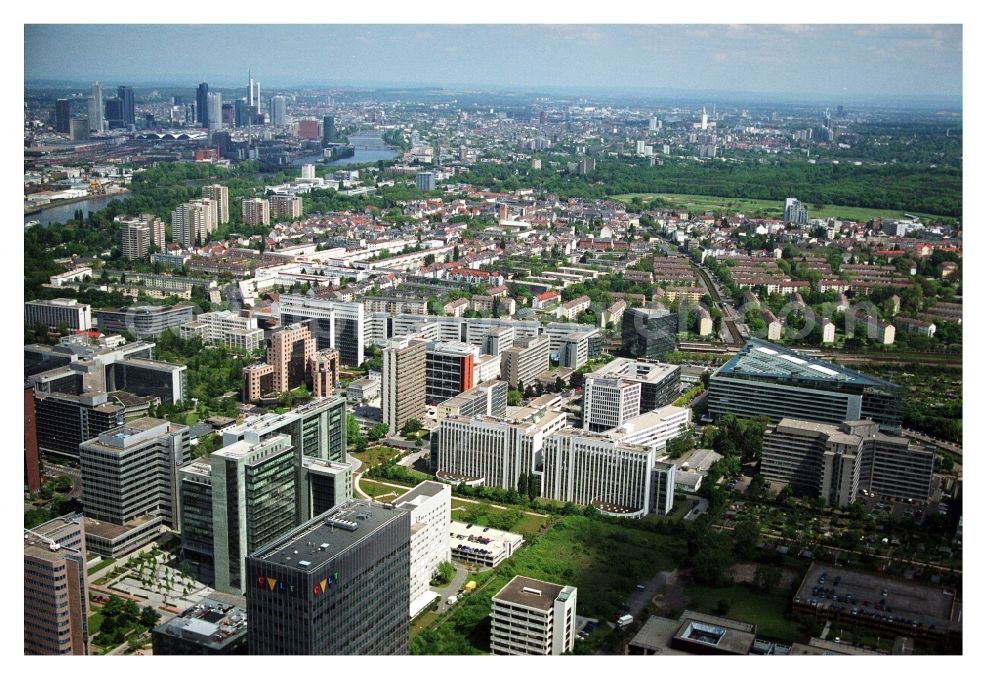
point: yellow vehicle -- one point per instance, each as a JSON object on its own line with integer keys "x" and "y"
{"x": 470, "y": 586}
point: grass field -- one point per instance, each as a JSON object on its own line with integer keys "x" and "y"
{"x": 511, "y": 518}
{"x": 380, "y": 491}
{"x": 604, "y": 561}
{"x": 376, "y": 455}
{"x": 760, "y": 208}
{"x": 767, "y": 611}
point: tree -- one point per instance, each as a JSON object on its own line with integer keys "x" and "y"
{"x": 514, "y": 398}
{"x": 411, "y": 426}
{"x": 745, "y": 536}
{"x": 378, "y": 431}
{"x": 149, "y": 618}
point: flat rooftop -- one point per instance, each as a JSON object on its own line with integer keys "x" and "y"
{"x": 655, "y": 635}
{"x": 325, "y": 537}
{"x": 423, "y": 490}
{"x": 721, "y": 633}
{"x": 210, "y": 623}
{"x": 106, "y": 530}
{"x": 492, "y": 540}
{"x": 634, "y": 369}
{"x": 906, "y": 603}
{"x": 527, "y": 591}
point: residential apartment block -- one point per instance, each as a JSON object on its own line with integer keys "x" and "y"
{"x": 532, "y": 617}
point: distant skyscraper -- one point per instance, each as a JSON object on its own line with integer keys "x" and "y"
{"x": 279, "y": 105}
{"x": 127, "y": 96}
{"x": 328, "y": 130}
{"x": 79, "y": 128}
{"x": 114, "y": 113}
{"x": 96, "y": 107}
{"x": 250, "y": 89}
{"x": 214, "y": 116}
{"x": 704, "y": 119}
{"x": 425, "y": 181}
{"x": 62, "y": 116}
{"x": 201, "y": 102}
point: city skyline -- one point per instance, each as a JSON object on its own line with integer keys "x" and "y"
{"x": 851, "y": 62}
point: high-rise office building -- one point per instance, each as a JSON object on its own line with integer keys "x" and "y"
{"x": 835, "y": 462}
{"x": 795, "y": 211}
{"x": 96, "y": 107}
{"x": 601, "y": 470}
{"x": 279, "y": 108}
{"x": 256, "y": 211}
{"x": 201, "y": 101}
{"x": 114, "y": 113}
{"x": 290, "y": 357}
{"x": 194, "y": 494}
{"x": 404, "y": 381}
{"x": 55, "y": 588}
{"x": 493, "y": 452}
{"x": 127, "y": 97}
{"x": 329, "y": 130}
{"x": 660, "y": 383}
{"x": 339, "y": 324}
{"x": 323, "y": 369}
{"x": 220, "y": 195}
{"x": 144, "y": 321}
{"x": 63, "y": 420}
{"x": 32, "y": 465}
{"x": 609, "y": 402}
{"x": 214, "y": 111}
{"x": 336, "y": 585}
{"x": 62, "y": 116}
{"x": 253, "y": 502}
{"x": 532, "y": 617}
{"x": 648, "y": 332}
{"x": 79, "y": 128}
{"x": 129, "y": 477}
{"x": 58, "y": 312}
{"x": 449, "y": 369}
{"x": 525, "y": 360}
{"x": 429, "y": 505}
{"x": 771, "y": 380}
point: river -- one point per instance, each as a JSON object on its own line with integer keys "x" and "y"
{"x": 366, "y": 149}
{"x": 64, "y": 212}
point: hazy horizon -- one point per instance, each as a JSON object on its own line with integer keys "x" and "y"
{"x": 846, "y": 62}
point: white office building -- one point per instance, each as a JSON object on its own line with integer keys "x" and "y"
{"x": 429, "y": 504}
{"x": 340, "y": 325}
{"x": 609, "y": 402}
{"x": 532, "y": 617}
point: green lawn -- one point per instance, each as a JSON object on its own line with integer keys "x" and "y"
{"x": 94, "y": 623}
{"x": 512, "y": 518}
{"x": 603, "y": 560}
{"x": 767, "y": 611}
{"x": 376, "y": 455}
{"x": 760, "y": 208}
{"x": 377, "y": 490}
{"x": 100, "y": 566}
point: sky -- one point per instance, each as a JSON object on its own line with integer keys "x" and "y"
{"x": 848, "y": 61}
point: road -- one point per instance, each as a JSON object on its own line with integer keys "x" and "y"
{"x": 640, "y": 598}
{"x": 940, "y": 443}
{"x": 65, "y": 470}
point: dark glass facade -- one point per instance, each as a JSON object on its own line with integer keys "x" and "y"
{"x": 350, "y": 597}
{"x": 648, "y": 333}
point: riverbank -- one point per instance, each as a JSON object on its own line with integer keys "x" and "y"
{"x": 73, "y": 200}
